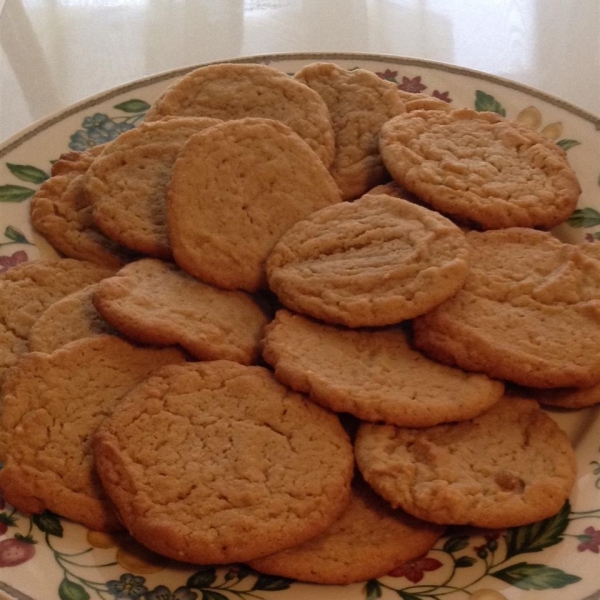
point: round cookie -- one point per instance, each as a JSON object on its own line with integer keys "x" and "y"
{"x": 373, "y": 374}
{"x": 61, "y": 212}
{"x": 367, "y": 541}
{"x": 568, "y": 398}
{"x": 216, "y": 462}
{"x": 127, "y": 184}
{"x": 28, "y": 289}
{"x": 495, "y": 471}
{"x": 237, "y": 91}
{"x": 155, "y": 302}
{"x": 529, "y": 312}
{"x": 480, "y": 167}
{"x": 376, "y": 261}
{"x": 235, "y": 189}
{"x": 51, "y": 406}
{"x": 68, "y": 319}
{"x": 359, "y": 103}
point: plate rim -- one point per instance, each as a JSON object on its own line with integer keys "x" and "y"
{"x": 19, "y": 138}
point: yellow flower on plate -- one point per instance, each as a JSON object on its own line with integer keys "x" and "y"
{"x": 532, "y": 117}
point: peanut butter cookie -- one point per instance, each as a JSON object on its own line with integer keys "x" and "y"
{"x": 216, "y": 462}
{"x": 367, "y": 541}
{"x": 237, "y": 91}
{"x": 155, "y": 302}
{"x": 529, "y": 312}
{"x": 373, "y": 374}
{"x": 51, "y": 406}
{"x": 28, "y": 289}
{"x": 376, "y": 261}
{"x": 496, "y": 471}
{"x": 235, "y": 189}
{"x": 480, "y": 167}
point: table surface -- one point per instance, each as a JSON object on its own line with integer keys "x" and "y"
{"x": 56, "y": 52}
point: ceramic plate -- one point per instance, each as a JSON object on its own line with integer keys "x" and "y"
{"x": 47, "y": 558}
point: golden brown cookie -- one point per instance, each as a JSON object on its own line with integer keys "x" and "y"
{"x": 367, "y": 541}
{"x": 568, "y": 398}
{"x": 495, "y": 471}
{"x": 235, "y": 189}
{"x": 155, "y": 302}
{"x": 127, "y": 184}
{"x": 28, "y": 289}
{"x": 70, "y": 318}
{"x": 373, "y": 374}
{"x": 61, "y": 212}
{"x": 359, "y": 103}
{"x": 237, "y": 91}
{"x": 480, "y": 167}
{"x": 529, "y": 312}
{"x": 51, "y": 406}
{"x": 376, "y": 261}
{"x": 216, "y": 462}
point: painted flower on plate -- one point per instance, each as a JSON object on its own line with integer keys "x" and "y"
{"x": 6, "y": 262}
{"x": 414, "y": 570}
{"x": 163, "y": 593}
{"x": 128, "y": 586}
{"x": 97, "y": 129}
{"x": 590, "y": 540}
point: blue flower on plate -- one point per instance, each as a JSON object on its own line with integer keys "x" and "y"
{"x": 129, "y": 586}
{"x": 97, "y": 129}
{"x": 163, "y": 593}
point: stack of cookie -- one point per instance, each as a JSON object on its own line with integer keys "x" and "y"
{"x": 250, "y": 220}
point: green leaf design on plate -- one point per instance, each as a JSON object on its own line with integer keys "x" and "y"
{"x": 464, "y": 562}
{"x": 535, "y": 577}
{"x": 28, "y": 173}
{"x": 486, "y": 103}
{"x": 408, "y": 596}
{"x": 212, "y": 595}
{"x": 15, "y": 193}
{"x": 372, "y": 590}
{"x": 537, "y": 536}
{"x": 202, "y": 578}
{"x": 568, "y": 144}
{"x": 456, "y": 543}
{"x": 15, "y": 235}
{"x": 133, "y": 106}
{"x": 69, "y": 590}
{"x": 270, "y": 583}
{"x": 584, "y": 217}
{"x": 48, "y": 523}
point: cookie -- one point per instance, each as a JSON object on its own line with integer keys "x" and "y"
{"x": 127, "y": 184}
{"x": 359, "y": 103}
{"x": 61, "y": 212}
{"x": 235, "y": 189}
{"x": 216, "y": 462}
{"x": 373, "y": 374}
{"x": 237, "y": 91}
{"x": 568, "y": 398}
{"x": 51, "y": 406}
{"x": 495, "y": 471}
{"x": 155, "y": 302}
{"x": 28, "y": 289}
{"x": 529, "y": 312}
{"x": 367, "y": 541}
{"x": 376, "y": 261}
{"x": 75, "y": 161}
{"x": 480, "y": 167}
{"x": 71, "y": 318}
